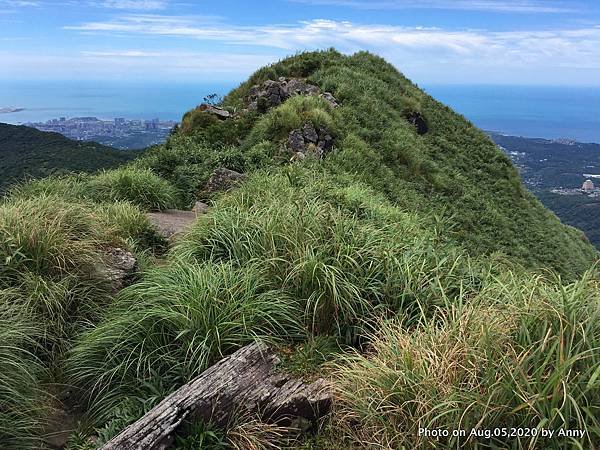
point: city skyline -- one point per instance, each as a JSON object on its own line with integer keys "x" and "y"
{"x": 551, "y": 42}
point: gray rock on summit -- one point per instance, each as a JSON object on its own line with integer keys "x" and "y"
{"x": 309, "y": 140}
{"x": 273, "y": 93}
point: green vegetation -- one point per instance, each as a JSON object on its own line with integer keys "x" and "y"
{"x": 414, "y": 271}
{"x": 530, "y": 360}
{"x": 28, "y": 153}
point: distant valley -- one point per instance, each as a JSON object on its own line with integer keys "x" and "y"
{"x": 555, "y": 170}
{"x": 121, "y": 133}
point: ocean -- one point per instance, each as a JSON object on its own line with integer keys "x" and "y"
{"x": 529, "y": 111}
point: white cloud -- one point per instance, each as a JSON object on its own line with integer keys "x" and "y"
{"x": 175, "y": 65}
{"x": 135, "y": 4}
{"x": 19, "y": 3}
{"x": 424, "y": 54}
{"x": 513, "y": 6}
{"x": 577, "y": 47}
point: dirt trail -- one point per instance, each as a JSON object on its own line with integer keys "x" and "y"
{"x": 172, "y": 222}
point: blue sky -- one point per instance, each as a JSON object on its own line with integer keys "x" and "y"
{"x": 552, "y": 42}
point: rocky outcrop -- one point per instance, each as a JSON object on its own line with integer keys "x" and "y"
{"x": 418, "y": 121}
{"x": 309, "y": 141}
{"x": 216, "y": 111}
{"x": 223, "y": 179}
{"x": 273, "y": 93}
{"x": 121, "y": 267}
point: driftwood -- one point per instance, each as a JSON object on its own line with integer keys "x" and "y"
{"x": 243, "y": 383}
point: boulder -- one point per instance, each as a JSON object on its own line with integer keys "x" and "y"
{"x": 223, "y": 179}
{"x": 296, "y": 142}
{"x": 309, "y": 133}
{"x": 328, "y": 96}
{"x": 200, "y": 208}
{"x": 121, "y": 267}
{"x": 296, "y": 86}
{"x": 216, "y": 111}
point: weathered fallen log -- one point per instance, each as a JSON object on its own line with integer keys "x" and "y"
{"x": 246, "y": 382}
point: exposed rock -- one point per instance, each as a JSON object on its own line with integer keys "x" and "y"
{"x": 220, "y": 113}
{"x": 419, "y": 122}
{"x": 309, "y": 140}
{"x": 309, "y": 133}
{"x": 172, "y": 222}
{"x": 200, "y": 208}
{"x": 121, "y": 267}
{"x": 296, "y": 86}
{"x": 330, "y": 99}
{"x": 296, "y": 142}
{"x": 273, "y": 93}
{"x": 223, "y": 180}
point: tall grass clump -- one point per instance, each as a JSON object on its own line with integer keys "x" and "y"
{"x": 21, "y": 371}
{"x": 276, "y": 124}
{"x": 48, "y": 236}
{"x": 70, "y": 187}
{"x": 135, "y": 184}
{"x": 172, "y": 325}
{"x": 128, "y": 224}
{"x": 524, "y": 354}
{"x": 344, "y": 252}
{"x": 138, "y": 186}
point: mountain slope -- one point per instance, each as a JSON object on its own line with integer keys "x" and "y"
{"x": 364, "y": 233}
{"x": 26, "y": 152}
{"x": 447, "y": 169}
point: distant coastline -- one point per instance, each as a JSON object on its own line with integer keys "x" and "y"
{"x": 10, "y": 110}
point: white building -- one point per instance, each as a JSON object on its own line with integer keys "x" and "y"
{"x": 588, "y": 186}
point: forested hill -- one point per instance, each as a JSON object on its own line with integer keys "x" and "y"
{"x": 28, "y": 153}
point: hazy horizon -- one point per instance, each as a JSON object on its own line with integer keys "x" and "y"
{"x": 159, "y": 58}
{"x": 516, "y": 42}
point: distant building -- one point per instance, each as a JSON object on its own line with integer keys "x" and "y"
{"x": 588, "y": 186}
{"x": 151, "y": 124}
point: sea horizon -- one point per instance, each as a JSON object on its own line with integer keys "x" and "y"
{"x": 547, "y": 112}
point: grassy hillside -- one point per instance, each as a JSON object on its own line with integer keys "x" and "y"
{"x": 28, "y": 153}
{"x": 408, "y": 266}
